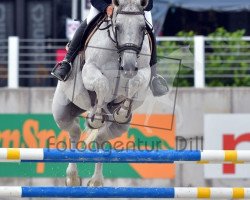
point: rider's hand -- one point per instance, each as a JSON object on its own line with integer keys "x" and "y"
{"x": 109, "y": 10}
{"x": 67, "y": 47}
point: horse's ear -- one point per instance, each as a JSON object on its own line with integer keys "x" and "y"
{"x": 144, "y": 3}
{"x": 116, "y": 2}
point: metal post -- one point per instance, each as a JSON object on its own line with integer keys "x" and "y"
{"x": 13, "y": 62}
{"x": 199, "y": 61}
{"x": 74, "y": 7}
{"x": 83, "y": 9}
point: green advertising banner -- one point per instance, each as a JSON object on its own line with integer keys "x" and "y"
{"x": 36, "y": 131}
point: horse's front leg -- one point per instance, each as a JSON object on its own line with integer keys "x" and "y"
{"x": 139, "y": 82}
{"x": 94, "y": 80}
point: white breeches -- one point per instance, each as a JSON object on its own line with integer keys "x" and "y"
{"x": 93, "y": 12}
{"x": 148, "y": 17}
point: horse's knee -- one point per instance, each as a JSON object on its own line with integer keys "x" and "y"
{"x": 62, "y": 121}
{"x": 62, "y": 115}
{"x": 64, "y": 111}
{"x": 102, "y": 85}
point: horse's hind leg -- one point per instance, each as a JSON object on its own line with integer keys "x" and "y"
{"x": 104, "y": 135}
{"x": 97, "y": 178}
{"x": 65, "y": 114}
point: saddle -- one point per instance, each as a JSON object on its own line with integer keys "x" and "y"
{"x": 92, "y": 27}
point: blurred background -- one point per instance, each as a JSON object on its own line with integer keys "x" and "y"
{"x": 212, "y": 109}
{"x": 43, "y": 28}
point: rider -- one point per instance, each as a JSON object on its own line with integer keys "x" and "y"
{"x": 62, "y": 70}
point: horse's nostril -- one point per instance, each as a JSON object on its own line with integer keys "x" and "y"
{"x": 122, "y": 68}
{"x": 136, "y": 69}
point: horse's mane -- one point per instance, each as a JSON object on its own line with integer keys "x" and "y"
{"x": 130, "y": 6}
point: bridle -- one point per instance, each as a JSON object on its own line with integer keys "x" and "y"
{"x": 126, "y": 46}
{"x": 111, "y": 27}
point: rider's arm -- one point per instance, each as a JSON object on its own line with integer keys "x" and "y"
{"x": 149, "y": 6}
{"x": 100, "y": 5}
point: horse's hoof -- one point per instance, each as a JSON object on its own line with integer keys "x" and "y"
{"x": 122, "y": 116}
{"x": 95, "y": 122}
{"x": 95, "y": 183}
{"x": 76, "y": 181}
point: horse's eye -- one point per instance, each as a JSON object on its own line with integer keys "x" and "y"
{"x": 117, "y": 27}
{"x": 143, "y": 28}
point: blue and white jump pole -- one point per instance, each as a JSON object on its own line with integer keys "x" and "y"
{"x": 116, "y": 156}
{"x": 124, "y": 192}
{"x": 125, "y": 156}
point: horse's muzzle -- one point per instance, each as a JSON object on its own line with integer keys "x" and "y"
{"x": 129, "y": 73}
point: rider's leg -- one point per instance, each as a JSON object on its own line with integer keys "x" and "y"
{"x": 92, "y": 14}
{"x": 158, "y": 84}
{"x": 62, "y": 70}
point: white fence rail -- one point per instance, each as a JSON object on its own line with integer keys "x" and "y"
{"x": 26, "y": 62}
{"x": 13, "y": 62}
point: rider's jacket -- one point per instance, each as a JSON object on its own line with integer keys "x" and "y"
{"x": 101, "y": 5}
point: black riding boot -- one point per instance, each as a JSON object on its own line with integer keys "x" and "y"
{"x": 63, "y": 69}
{"x": 158, "y": 84}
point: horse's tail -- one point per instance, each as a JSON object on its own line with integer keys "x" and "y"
{"x": 92, "y": 133}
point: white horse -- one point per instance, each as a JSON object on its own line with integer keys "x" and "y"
{"x": 116, "y": 71}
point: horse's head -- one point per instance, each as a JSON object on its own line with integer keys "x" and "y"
{"x": 129, "y": 26}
